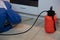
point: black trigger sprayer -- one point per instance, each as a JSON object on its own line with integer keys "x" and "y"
{"x": 50, "y": 17}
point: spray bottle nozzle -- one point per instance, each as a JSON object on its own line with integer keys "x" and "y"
{"x": 51, "y": 8}
{"x": 51, "y": 12}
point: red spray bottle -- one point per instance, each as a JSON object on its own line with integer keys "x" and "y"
{"x": 50, "y": 21}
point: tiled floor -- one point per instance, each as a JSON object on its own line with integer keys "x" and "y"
{"x": 36, "y": 33}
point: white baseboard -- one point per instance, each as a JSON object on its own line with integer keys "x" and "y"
{"x": 31, "y": 16}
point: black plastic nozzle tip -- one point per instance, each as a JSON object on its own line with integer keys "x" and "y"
{"x": 51, "y": 8}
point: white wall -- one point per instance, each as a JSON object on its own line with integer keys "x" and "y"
{"x": 6, "y": 0}
{"x": 45, "y": 4}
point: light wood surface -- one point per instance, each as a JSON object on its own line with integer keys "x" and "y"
{"x": 36, "y": 33}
